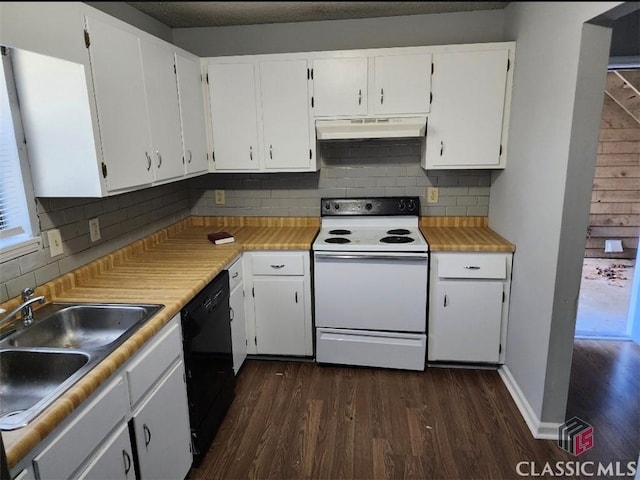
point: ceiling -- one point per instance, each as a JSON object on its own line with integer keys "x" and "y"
{"x": 216, "y": 14}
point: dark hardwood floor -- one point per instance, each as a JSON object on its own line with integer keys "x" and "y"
{"x": 295, "y": 420}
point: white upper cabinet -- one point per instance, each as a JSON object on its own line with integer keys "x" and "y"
{"x": 260, "y": 115}
{"x": 232, "y": 96}
{"x": 340, "y": 86}
{"x": 161, "y": 89}
{"x": 285, "y": 117}
{"x": 468, "y": 122}
{"x": 392, "y": 83}
{"x": 118, "y": 81}
{"x": 194, "y": 140}
{"x": 402, "y": 84}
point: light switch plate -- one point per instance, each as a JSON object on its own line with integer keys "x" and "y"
{"x": 55, "y": 242}
{"x": 432, "y": 194}
{"x": 219, "y": 197}
{"x": 94, "y": 229}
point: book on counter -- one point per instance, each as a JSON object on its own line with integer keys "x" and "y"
{"x": 219, "y": 238}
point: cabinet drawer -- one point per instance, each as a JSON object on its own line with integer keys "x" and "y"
{"x": 235, "y": 274}
{"x": 73, "y": 446}
{"x": 471, "y": 265}
{"x": 278, "y": 264}
{"x": 144, "y": 372}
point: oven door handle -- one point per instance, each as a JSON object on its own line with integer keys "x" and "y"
{"x": 417, "y": 258}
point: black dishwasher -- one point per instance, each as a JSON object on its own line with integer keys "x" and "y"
{"x": 206, "y": 331}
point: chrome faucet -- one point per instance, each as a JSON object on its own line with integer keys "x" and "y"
{"x": 25, "y": 307}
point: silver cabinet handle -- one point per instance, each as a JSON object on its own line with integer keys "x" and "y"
{"x": 359, "y": 97}
{"x": 471, "y": 267}
{"x": 296, "y": 297}
{"x": 127, "y": 461}
{"x": 278, "y": 267}
{"x": 159, "y": 158}
{"x": 250, "y": 152}
{"x": 446, "y": 301}
{"x": 235, "y": 275}
{"x": 271, "y": 152}
{"x": 147, "y": 435}
{"x": 190, "y": 156}
{"x": 381, "y": 96}
{"x": 232, "y": 313}
{"x": 148, "y": 160}
{"x": 441, "y": 147}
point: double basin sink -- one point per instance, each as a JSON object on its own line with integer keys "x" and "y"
{"x": 65, "y": 341}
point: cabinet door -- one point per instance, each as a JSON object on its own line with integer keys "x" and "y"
{"x": 192, "y": 115}
{"x": 465, "y": 127}
{"x": 238, "y": 328}
{"x": 114, "y": 459}
{"x": 232, "y": 95}
{"x": 164, "y": 113}
{"x": 402, "y": 84}
{"x": 465, "y": 318}
{"x": 285, "y": 114}
{"x": 340, "y": 86}
{"x": 118, "y": 82}
{"x": 162, "y": 433}
{"x": 279, "y": 313}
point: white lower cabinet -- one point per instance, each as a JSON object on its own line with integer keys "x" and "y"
{"x": 238, "y": 321}
{"x": 95, "y": 443}
{"x": 279, "y": 306}
{"x": 114, "y": 460}
{"x": 162, "y": 432}
{"x": 468, "y": 307}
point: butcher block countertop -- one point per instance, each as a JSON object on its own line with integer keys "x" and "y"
{"x": 168, "y": 267}
{"x": 462, "y": 234}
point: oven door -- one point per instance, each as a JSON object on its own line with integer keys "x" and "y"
{"x": 371, "y": 290}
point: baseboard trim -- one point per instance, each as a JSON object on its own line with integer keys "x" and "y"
{"x": 539, "y": 430}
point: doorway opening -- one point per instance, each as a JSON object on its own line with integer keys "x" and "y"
{"x": 606, "y": 289}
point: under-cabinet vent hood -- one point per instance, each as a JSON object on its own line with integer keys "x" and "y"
{"x": 371, "y": 128}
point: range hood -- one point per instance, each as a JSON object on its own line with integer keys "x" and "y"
{"x": 371, "y": 128}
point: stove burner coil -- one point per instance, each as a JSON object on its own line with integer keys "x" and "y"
{"x": 399, "y": 231}
{"x": 396, "y": 240}
{"x": 341, "y": 232}
{"x": 337, "y": 240}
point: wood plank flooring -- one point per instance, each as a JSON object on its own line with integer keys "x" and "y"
{"x": 295, "y": 420}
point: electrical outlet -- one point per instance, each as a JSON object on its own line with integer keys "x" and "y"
{"x": 219, "y": 197}
{"x": 94, "y": 229}
{"x": 432, "y": 194}
{"x": 55, "y": 242}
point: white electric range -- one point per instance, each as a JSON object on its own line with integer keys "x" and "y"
{"x": 370, "y": 283}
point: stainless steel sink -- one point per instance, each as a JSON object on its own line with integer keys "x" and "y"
{"x": 29, "y": 377}
{"x": 82, "y": 326}
{"x": 40, "y": 362}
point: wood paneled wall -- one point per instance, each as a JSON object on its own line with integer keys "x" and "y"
{"x": 615, "y": 201}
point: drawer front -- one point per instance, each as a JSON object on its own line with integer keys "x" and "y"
{"x": 149, "y": 367}
{"x": 278, "y": 263}
{"x": 74, "y": 445}
{"x": 472, "y": 265}
{"x": 235, "y": 274}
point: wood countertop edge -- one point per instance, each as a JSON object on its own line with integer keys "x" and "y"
{"x": 19, "y": 443}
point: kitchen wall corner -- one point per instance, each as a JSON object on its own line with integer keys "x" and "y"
{"x": 348, "y": 169}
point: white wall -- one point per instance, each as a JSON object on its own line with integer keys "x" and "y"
{"x": 534, "y": 203}
{"x": 401, "y": 31}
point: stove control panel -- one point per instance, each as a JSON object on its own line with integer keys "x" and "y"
{"x": 374, "y": 206}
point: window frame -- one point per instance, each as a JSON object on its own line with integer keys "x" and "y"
{"x": 34, "y": 242}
